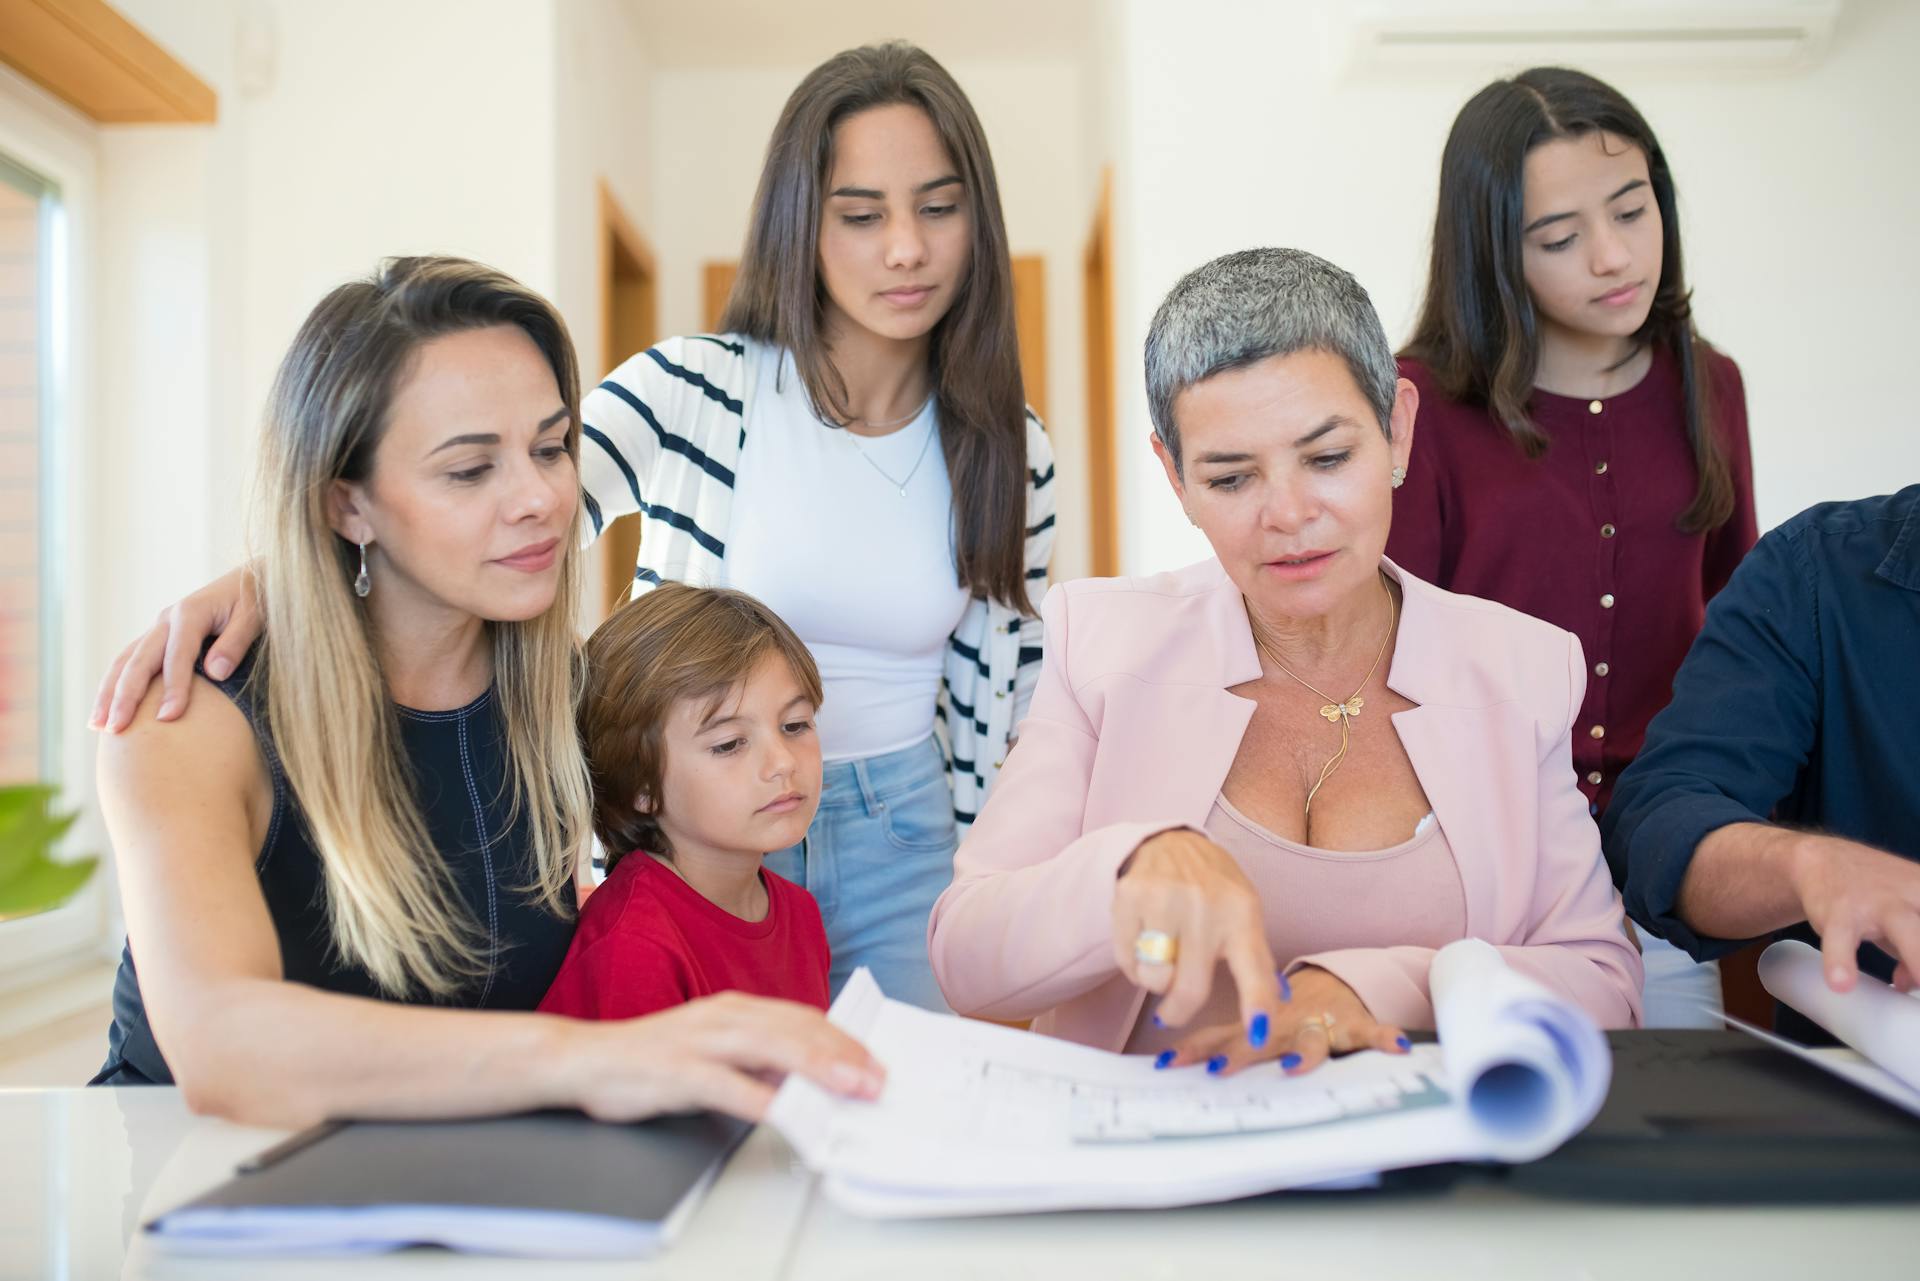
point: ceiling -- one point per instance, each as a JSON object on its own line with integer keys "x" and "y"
{"x": 785, "y": 33}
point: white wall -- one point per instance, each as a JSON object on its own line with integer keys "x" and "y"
{"x": 602, "y": 82}
{"x": 1798, "y": 204}
{"x": 709, "y": 136}
{"x": 349, "y": 132}
{"x": 424, "y": 127}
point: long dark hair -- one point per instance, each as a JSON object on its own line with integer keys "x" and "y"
{"x": 1477, "y": 330}
{"x": 778, "y": 297}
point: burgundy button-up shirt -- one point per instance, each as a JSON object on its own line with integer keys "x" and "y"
{"x": 1584, "y": 536}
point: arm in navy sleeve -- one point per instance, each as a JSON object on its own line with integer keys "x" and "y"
{"x": 1730, "y": 745}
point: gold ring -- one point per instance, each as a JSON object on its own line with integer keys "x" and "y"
{"x": 1155, "y": 947}
{"x": 1322, "y": 1021}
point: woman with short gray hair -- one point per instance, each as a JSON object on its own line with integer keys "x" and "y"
{"x": 1255, "y": 795}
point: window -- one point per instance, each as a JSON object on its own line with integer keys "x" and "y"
{"x": 49, "y": 961}
{"x": 29, "y": 216}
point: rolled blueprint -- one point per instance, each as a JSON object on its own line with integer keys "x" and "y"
{"x": 1879, "y": 1022}
{"x": 1530, "y": 1066}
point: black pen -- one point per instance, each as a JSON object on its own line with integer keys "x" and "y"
{"x": 288, "y": 1146}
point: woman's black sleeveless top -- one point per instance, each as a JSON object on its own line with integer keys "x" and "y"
{"x": 459, "y": 761}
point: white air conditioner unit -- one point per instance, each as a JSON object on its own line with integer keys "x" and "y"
{"x": 1699, "y": 33}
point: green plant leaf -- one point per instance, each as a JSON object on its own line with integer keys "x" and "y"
{"x": 31, "y": 880}
{"x": 22, "y": 799}
{"x": 27, "y": 841}
{"x": 44, "y": 887}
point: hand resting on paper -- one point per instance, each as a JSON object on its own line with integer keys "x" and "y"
{"x": 1184, "y": 885}
{"x": 1323, "y": 1017}
{"x": 1854, "y": 894}
{"x": 729, "y": 1052}
{"x": 1749, "y": 879}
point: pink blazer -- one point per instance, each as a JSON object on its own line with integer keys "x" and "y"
{"x": 1132, "y": 732}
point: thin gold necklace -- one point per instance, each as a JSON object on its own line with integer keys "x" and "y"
{"x": 1336, "y": 710}
{"x": 870, "y": 425}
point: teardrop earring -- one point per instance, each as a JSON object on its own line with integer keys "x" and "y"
{"x": 361, "y": 583}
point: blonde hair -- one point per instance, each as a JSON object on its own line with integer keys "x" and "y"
{"x": 673, "y": 643}
{"x": 391, "y": 905}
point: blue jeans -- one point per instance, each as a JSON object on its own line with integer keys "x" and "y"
{"x": 878, "y": 854}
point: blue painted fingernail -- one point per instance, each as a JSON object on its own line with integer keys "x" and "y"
{"x": 1403, "y": 1042}
{"x": 1289, "y": 1061}
{"x": 1156, "y": 1020}
{"x": 1286, "y": 988}
{"x": 1215, "y": 1063}
{"x": 1163, "y": 1058}
{"x": 1257, "y": 1031}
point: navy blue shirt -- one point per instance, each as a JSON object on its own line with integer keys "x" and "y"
{"x": 1798, "y": 703}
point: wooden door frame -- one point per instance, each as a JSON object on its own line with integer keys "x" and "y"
{"x": 618, "y": 240}
{"x": 716, "y": 284}
{"x": 1103, "y": 479}
{"x": 616, "y": 231}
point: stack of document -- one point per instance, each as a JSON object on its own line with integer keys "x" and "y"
{"x": 979, "y": 1119}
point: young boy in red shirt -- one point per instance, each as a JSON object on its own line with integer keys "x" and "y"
{"x": 698, "y": 726}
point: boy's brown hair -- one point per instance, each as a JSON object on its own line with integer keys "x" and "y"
{"x": 673, "y": 643}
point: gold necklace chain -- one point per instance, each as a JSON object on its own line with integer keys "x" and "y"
{"x": 1337, "y": 710}
{"x": 870, "y": 425}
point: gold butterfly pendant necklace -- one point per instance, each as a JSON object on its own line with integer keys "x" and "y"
{"x": 1337, "y": 711}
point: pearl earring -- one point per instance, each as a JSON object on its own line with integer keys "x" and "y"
{"x": 1399, "y": 477}
{"x": 361, "y": 583}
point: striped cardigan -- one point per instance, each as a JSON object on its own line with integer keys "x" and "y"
{"x": 663, "y": 435}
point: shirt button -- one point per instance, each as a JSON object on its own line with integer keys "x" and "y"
{"x": 1608, "y": 531}
{"x": 1598, "y": 731}
{"x": 1593, "y": 406}
{"x": 1600, "y": 468}
{"x": 1601, "y": 669}
{"x": 1594, "y": 778}
{"x": 1606, "y": 602}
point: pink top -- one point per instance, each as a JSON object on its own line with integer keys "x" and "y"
{"x": 1407, "y": 894}
{"x": 1133, "y": 729}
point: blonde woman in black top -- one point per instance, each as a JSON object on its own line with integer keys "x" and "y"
{"x": 313, "y": 917}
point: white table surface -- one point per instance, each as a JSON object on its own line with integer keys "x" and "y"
{"x": 81, "y": 1169}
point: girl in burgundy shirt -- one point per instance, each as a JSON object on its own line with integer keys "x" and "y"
{"x": 698, "y": 725}
{"x": 1582, "y": 452}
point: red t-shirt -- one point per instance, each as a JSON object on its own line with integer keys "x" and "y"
{"x": 648, "y": 941}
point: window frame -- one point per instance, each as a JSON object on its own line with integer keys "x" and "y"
{"x": 52, "y": 284}
{"x": 54, "y": 144}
